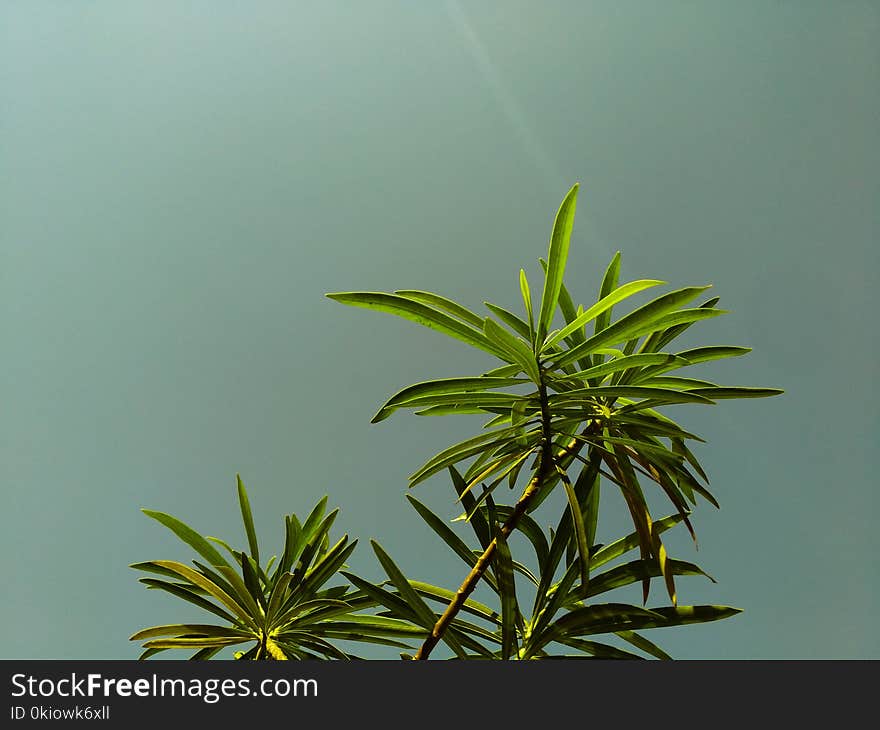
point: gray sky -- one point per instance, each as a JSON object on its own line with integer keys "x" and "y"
{"x": 182, "y": 183}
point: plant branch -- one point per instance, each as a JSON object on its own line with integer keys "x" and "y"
{"x": 544, "y": 468}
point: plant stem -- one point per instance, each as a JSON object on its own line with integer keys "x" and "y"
{"x": 544, "y": 468}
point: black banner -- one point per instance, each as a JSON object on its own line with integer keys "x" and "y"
{"x": 407, "y": 693}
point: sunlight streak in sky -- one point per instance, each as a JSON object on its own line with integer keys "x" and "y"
{"x": 534, "y": 150}
{"x": 492, "y": 75}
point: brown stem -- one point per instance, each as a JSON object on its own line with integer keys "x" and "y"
{"x": 544, "y": 468}
{"x": 467, "y": 587}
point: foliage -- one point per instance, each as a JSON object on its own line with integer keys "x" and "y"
{"x": 287, "y": 613}
{"x": 592, "y": 385}
{"x": 574, "y": 403}
{"x": 561, "y": 614}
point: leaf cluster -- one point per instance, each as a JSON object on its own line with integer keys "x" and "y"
{"x": 283, "y": 608}
{"x": 593, "y": 390}
{"x": 572, "y": 400}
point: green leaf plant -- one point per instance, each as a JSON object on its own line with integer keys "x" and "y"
{"x": 571, "y": 404}
{"x": 564, "y": 620}
{"x": 282, "y": 612}
{"x": 573, "y": 407}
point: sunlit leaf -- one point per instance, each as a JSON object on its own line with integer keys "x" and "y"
{"x": 435, "y": 300}
{"x": 736, "y": 392}
{"x": 557, "y": 256}
{"x": 189, "y": 595}
{"x": 444, "y": 595}
{"x": 459, "y": 547}
{"x": 641, "y": 320}
{"x": 441, "y": 387}
{"x": 609, "y": 284}
{"x": 580, "y": 530}
{"x": 191, "y": 630}
{"x": 515, "y": 348}
{"x": 421, "y": 314}
{"x": 640, "y": 642}
{"x": 248, "y": 519}
{"x": 527, "y": 303}
{"x": 517, "y": 324}
{"x": 198, "y": 579}
{"x": 461, "y": 451}
{"x": 189, "y": 536}
{"x": 603, "y": 305}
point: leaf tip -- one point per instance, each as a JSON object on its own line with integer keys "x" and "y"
{"x": 382, "y": 414}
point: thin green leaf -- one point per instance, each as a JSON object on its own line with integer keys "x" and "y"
{"x": 650, "y": 425}
{"x": 459, "y": 547}
{"x": 661, "y": 337}
{"x": 599, "y": 650}
{"x": 736, "y": 392}
{"x": 147, "y": 653}
{"x": 238, "y": 585}
{"x": 527, "y": 302}
{"x": 516, "y": 349}
{"x": 485, "y": 401}
{"x": 609, "y": 284}
{"x": 152, "y": 567}
{"x": 693, "y": 357}
{"x": 640, "y": 642}
{"x": 435, "y": 300}
{"x": 190, "y": 643}
{"x": 477, "y": 521}
{"x": 598, "y": 619}
{"x": 189, "y": 536}
{"x": 445, "y": 596}
{"x": 682, "y": 615}
{"x": 636, "y": 504}
{"x": 627, "y": 362}
{"x": 580, "y": 530}
{"x": 187, "y": 594}
{"x": 461, "y": 450}
{"x": 191, "y": 630}
{"x": 640, "y": 320}
{"x": 452, "y": 410}
{"x": 503, "y": 563}
{"x": 679, "y": 446}
{"x": 442, "y": 387}
{"x": 389, "y": 600}
{"x": 248, "y": 519}
{"x": 637, "y": 570}
{"x": 517, "y": 324}
{"x": 628, "y": 391}
{"x": 604, "y": 304}
{"x": 427, "y": 618}
{"x": 557, "y": 256}
{"x": 312, "y": 526}
{"x": 625, "y": 544}
{"x": 499, "y": 469}
{"x": 212, "y": 588}
{"x": 379, "y": 625}
{"x": 277, "y": 598}
{"x": 421, "y": 314}
{"x": 252, "y": 580}
{"x": 531, "y": 530}
{"x": 547, "y": 604}
{"x": 705, "y": 354}
{"x": 327, "y": 566}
